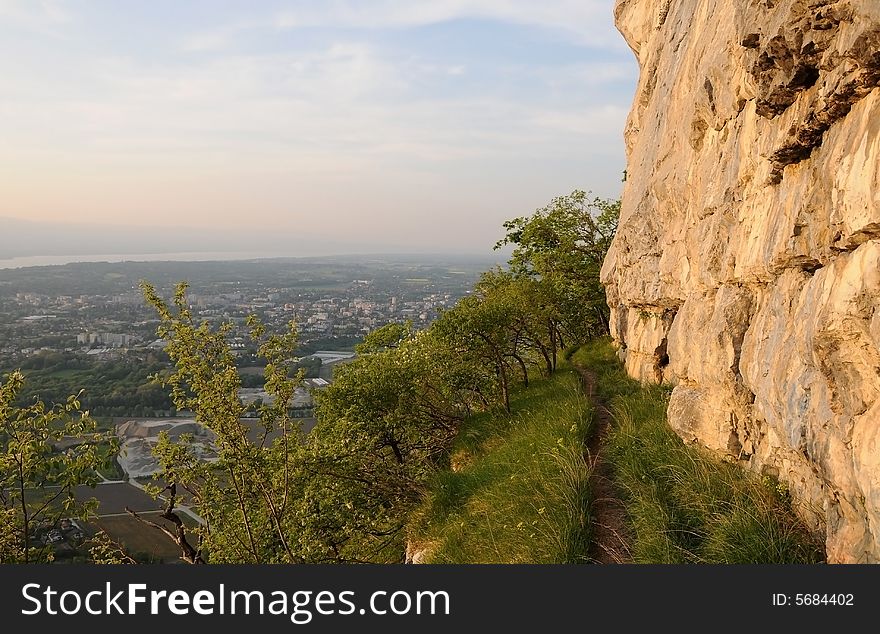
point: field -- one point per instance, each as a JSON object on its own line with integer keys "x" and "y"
{"x": 113, "y": 498}
{"x": 141, "y": 541}
{"x": 138, "y": 538}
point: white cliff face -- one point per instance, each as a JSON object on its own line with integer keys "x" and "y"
{"x": 746, "y": 270}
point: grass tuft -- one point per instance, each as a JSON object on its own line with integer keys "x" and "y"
{"x": 685, "y": 505}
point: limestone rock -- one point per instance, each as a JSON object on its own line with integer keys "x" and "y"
{"x": 746, "y": 269}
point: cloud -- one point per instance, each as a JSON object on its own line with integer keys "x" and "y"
{"x": 344, "y": 98}
{"x": 584, "y": 22}
{"x": 34, "y": 11}
{"x": 568, "y": 15}
{"x": 205, "y": 41}
{"x": 347, "y": 129}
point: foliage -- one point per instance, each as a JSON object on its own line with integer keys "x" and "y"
{"x": 387, "y": 337}
{"x": 121, "y": 387}
{"x": 564, "y": 245}
{"x": 104, "y": 550}
{"x": 38, "y": 479}
{"x": 244, "y": 497}
{"x": 342, "y": 493}
{"x": 479, "y": 328}
{"x": 383, "y": 425}
{"x": 534, "y": 316}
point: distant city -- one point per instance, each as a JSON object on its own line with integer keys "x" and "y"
{"x": 335, "y": 301}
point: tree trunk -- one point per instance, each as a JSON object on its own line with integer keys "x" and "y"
{"x": 395, "y": 447}
{"x": 178, "y": 535}
{"x": 547, "y": 361}
{"x": 505, "y": 388}
{"x": 522, "y": 365}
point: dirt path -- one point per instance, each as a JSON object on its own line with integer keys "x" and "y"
{"x": 607, "y": 511}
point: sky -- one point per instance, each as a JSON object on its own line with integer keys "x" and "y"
{"x": 395, "y": 125}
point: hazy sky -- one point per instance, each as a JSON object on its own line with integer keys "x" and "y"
{"x": 416, "y": 123}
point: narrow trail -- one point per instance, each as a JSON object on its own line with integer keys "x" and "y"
{"x": 607, "y": 512}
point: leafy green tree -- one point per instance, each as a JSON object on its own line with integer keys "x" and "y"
{"x": 563, "y": 245}
{"x": 533, "y": 325}
{"x": 383, "y": 426}
{"x": 480, "y": 328}
{"x": 246, "y": 496}
{"x": 386, "y": 337}
{"x": 342, "y": 493}
{"x": 37, "y": 478}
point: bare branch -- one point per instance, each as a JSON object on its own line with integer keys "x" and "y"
{"x": 178, "y": 536}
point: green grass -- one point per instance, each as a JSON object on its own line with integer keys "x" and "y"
{"x": 518, "y": 490}
{"x": 685, "y": 505}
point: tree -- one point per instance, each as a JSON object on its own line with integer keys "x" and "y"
{"x": 342, "y": 493}
{"x": 481, "y": 329}
{"x": 386, "y": 337}
{"x": 245, "y": 497}
{"x": 37, "y": 479}
{"x": 534, "y": 323}
{"x": 563, "y": 245}
{"x": 383, "y": 426}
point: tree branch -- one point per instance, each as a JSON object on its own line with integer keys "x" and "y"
{"x": 178, "y": 535}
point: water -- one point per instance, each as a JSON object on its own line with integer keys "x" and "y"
{"x": 191, "y": 256}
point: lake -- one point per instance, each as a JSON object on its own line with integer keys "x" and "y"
{"x": 195, "y": 256}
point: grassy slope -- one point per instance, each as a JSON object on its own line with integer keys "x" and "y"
{"x": 520, "y": 489}
{"x": 683, "y": 504}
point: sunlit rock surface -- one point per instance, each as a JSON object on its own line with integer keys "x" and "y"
{"x": 746, "y": 270}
